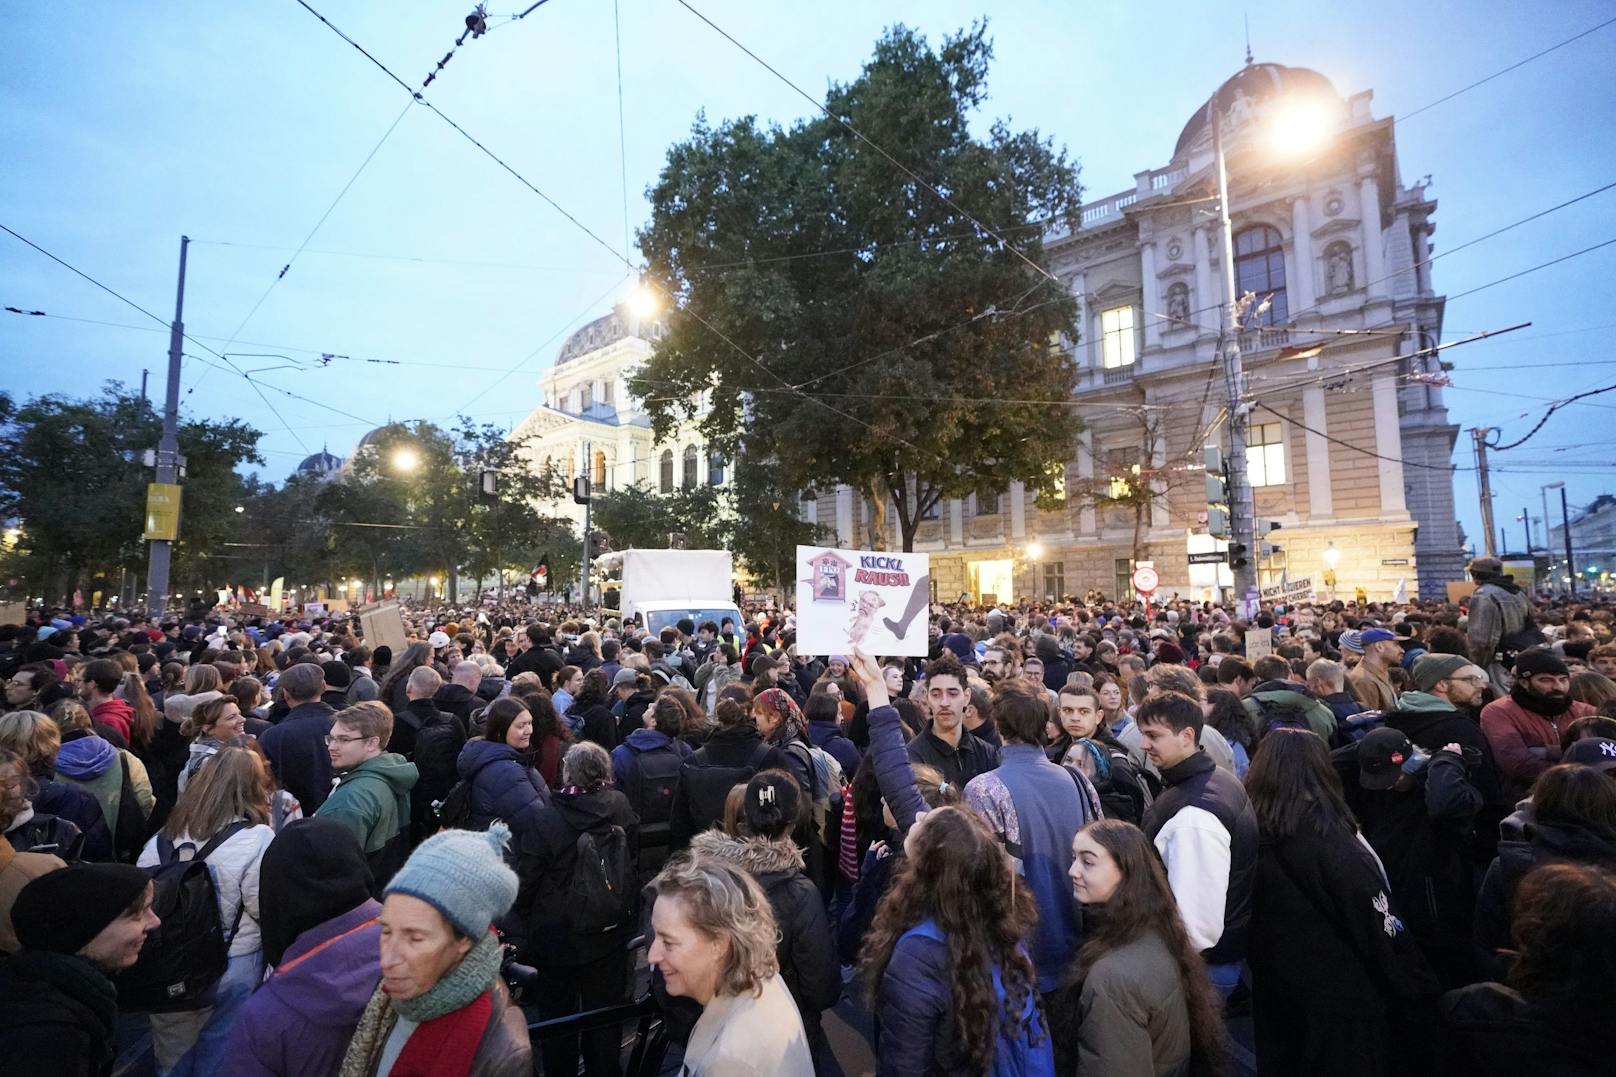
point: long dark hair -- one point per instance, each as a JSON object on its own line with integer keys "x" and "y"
{"x": 546, "y": 722}
{"x": 1565, "y": 939}
{"x": 1143, "y": 903}
{"x": 418, "y": 654}
{"x": 596, "y": 689}
{"x": 1229, "y": 717}
{"x": 500, "y": 716}
{"x": 959, "y": 877}
{"x": 1294, "y": 788}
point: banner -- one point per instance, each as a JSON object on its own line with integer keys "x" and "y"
{"x": 1297, "y": 590}
{"x": 865, "y": 599}
{"x": 275, "y": 602}
{"x": 162, "y": 511}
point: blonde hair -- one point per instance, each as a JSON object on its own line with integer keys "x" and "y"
{"x": 70, "y": 714}
{"x": 369, "y": 719}
{"x": 33, "y": 736}
{"x": 722, "y": 901}
{"x": 199, "y": 679}
{"x": 233, "y": 784}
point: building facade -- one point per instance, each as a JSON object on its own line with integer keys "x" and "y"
{"x": 1593, "y": 545}
{"x": 590, "y": 424}
{"x": 1349, "y": 439}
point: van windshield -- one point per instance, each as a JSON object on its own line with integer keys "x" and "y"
{"x": 657, "y": 620}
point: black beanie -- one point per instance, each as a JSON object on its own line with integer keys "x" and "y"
{"x": 1539, "y": 660}
{"x": 337, "y": 674}
{"x": 312, "y": 872}
{"x": 62, "y": 910}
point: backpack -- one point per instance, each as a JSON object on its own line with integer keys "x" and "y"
{"x": 602, "y": 892}
{"x": 1275, "y": 714}
{"x": 658, "y": 770}
{"x": 454, "y": 810}
{"x": 182, "y": 961}
{"x": 1511, "y": 644}
{"x": 1355, "y": 727}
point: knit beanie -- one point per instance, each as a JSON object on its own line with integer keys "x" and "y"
{"x": 1352, "y": 641}
{"x": 463, "y": 875}
{"x": 1539, "y": 660}
{"x": 313, "y": 871}
{"x": 61, "y": 911}
{"x": 1432, "y": 668}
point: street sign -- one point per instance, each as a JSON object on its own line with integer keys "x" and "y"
{"x": 1145, "y": 579}
{"x": 1211, "y": 557}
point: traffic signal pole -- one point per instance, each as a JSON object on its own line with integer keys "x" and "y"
{"x": 168, "y": 449}
{"x": 1242, "y": 505}
{"x": 583, "y": 567}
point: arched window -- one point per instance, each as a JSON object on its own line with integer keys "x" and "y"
{"x": 598, "y": 479}
{"x": 572, "y": 464}
{"x": 692, "y": 466}
{"x": 667, "y": 471}
{"x": 1259, "y": 267}
{"x": 715, "y": 467}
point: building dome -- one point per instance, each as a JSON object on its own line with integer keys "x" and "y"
{"x": 620, "y": 324}
{"x": 320, "y": 463}
{"x": 1255, "y": 83}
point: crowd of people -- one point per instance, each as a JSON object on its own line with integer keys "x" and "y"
{"x": 1077, "y": 837}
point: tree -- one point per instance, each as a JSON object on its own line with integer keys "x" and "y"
{"x": 847, "y": 324}
{"x": 764, "y": 528}
{"x": 638, "y": 517}
{"x": 1134, "y": 483}
{"x": 71, "y": 472}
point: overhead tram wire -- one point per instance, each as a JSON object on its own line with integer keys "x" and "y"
{"x": 1511, "y": 67}
{"x": 622, "y": 128}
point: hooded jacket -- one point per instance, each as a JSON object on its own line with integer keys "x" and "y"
{"x": 626, "y": 763}
{"x": 731, "y": 755}
{"x": 1547, "y": 843}
{"x": 116, "y": 713}
{"x": 299, "y": 1022}
{"x": 373, "y": 799}
{"x": 1492, "y": 1031}
{"x": 1272, "y": 700}
{"x": 1431, "y": 722}
{"x": 503, "y": 786}
{"x": 17, "y": 870}
{"x": 458, "y": 700}
{"x": 72, "y": 802}
{"x": 546, "y": 854}
{"x": 805, "y": 948}
{"x": 297, "y": 750}
{"x": 99, "y": 768}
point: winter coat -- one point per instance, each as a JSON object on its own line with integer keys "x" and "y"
{"x": 299, "y": 1022}
{"x": 632, "y": 716}
{"x": 17, "y": 870}
{"x": 731, "y": 755}
{"x": 1547, "y": 843}
{"x": 957, "y": 765}
{"x": 805, "y": 948}
{"x": 1497, "y": 609}
{"x": 1273, "y": 701}
{"x": 297, "y": 751}
{"x": 438, "y": 745}
{"x": 76, "y": 805}
{"x": 458, "y": 700}
{"x": 373, "y": 800}
{"x": 744, "y": 1035}
{"x": 503, "y": 786}
{"x": 1489, "y": 1030}
{"x": 234, "y": 867}
{"x": 1327, "y": 948}
{"x": 1524, "y": 743}
{"x": 57, "y": 1015}
{"x": 1343, "y": 705}
{"x": 362, "y": 688}
{"x": 117, "y": 779}
{"x": 626, "y": 766}
{"x": 594, "y": 721}
{"x": 1431, "y": 723}
{"x": 546, "y": 860}
{"x": 116, "y": 713}
{"x": 1133, "y": 1017}
{"x": 828, "y": 735}
{"x": 1421, "y": 836}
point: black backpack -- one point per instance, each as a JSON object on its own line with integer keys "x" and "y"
{"x": 182, "y": 961}
{"x": 1277, "y": 715}
{"x": 454, "y": 810}
{"x": 602, "y": 891}
{"x": 658, "y": 778}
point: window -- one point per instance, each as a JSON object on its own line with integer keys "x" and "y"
{"x": 667, "y": 471}
{"x": 1124, "y": 577}
{"x": 1058, "y": 472}
{"x": 1054, "y": 579}
{"x": 598, "y": 479}
{"x": 607, "y": 391}
{"x": 715, "y": 468}
{"x": 1117, "y": 337}
{"x": 1265, "y": 454}
{"x": 691, "y": 466}
{"x": 1259, "y": 268}
{"x": 586, "y": 398}
{"x": 987, "y": 504}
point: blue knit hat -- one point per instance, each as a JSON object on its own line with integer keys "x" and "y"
{"x": 463, "y": 875}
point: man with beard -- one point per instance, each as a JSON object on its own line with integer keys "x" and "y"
{"x": 1524, "y": 730}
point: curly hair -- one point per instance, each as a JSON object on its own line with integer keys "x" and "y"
{"x": 721, "y": 901}
{"x": 1143, "y": 902}
{"x": 958, "y": 876}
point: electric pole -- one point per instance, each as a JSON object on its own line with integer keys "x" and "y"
{"x": 1242, "y": 505}
{"x": 1479, "y": 434}
{"x": 1565, "y": 522}
{"x": 168, "y": 459}
{"x": 583, "y": 568}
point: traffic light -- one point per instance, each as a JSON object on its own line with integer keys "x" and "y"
{"x": 488, "y": 486}
{"x": 1217, "y": 494}
{"x": 580, "y": 490}
{"x": 1264, "y": 529}
{"x": 1237, "y": 555}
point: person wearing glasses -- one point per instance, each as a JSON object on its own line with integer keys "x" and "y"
{"x": 371, "y": 796}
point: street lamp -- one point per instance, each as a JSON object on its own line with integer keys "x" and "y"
{"x": 644, "y": 302}
{"x": 1565, "y": 527}
{"x": 1035, "y": 550}
{"x": 406, "y": 459}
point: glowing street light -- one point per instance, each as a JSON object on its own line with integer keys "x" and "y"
{"x": 406, "y": 459}
{"x": 1035, "y": 550}
{"x": 644, "y": 302}
{"x": 1300, "y": 126}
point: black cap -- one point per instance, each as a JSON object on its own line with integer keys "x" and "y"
{"x": 1381, "y": 755}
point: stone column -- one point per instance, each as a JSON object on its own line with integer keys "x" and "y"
{"x": 844, "y": 516}
{"x": 1207, "y": 294}
{"x": 1301, "y": 277}
{"x": 1085, "y": 470}
{"x": 1389, "y": 444}
{"x": 1320, "y": 495}
{"x": 1085, "y": 332}
{"x": 1373, "y": 245}
{"x": 1150, "y": 294}
{"x": 1018, "y": 511}
{"x": 956, "y": 522}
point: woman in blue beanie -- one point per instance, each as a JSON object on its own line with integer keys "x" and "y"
{"x": 442, "y": 1009}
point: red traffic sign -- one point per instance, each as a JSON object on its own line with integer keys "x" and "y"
{"x": 1145, "y": 580}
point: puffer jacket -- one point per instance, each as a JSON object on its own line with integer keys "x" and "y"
{"x": 1546, "y": 843}
{"x": 806, "y": 949}
{"x": 234, "y": 866}
{"x": 502, "y": 785}
{"x": 732, "y": 754}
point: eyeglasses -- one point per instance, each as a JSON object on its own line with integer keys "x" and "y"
{"x": 329, "y": 739}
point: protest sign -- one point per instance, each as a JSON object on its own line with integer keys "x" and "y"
{"x": 13, "y": 613}
{"x": 863, "y": 599}
{"x": 383, "y": 624}
{"x": 1259, "y": 644}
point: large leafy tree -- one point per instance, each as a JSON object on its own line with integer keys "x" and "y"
{"x": 71, "y": 473}
{"x": 846, "y": 323}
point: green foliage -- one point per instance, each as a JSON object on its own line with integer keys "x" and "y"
{"x": 878, "y": 322}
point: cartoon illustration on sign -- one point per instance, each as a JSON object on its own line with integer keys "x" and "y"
{"x": 841, "y": 595}
{"x": 868, "y": 603}
{"x": 830, "y": 576}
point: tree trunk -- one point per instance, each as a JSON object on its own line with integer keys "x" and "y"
{"x": 1139, "y": 509}
{"x": 878, "y": 516}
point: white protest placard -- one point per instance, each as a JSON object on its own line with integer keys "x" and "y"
{"x": 870, "y": 600}
{"x": 1259, "y": 643}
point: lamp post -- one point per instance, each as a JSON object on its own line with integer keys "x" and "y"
{"x": 1565, "y": 526}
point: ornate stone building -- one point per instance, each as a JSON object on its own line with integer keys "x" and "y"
{"x": 1349, "y": 437}
{"x": 589, "y": 423}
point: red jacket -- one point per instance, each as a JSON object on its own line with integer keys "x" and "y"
{"x": 1525, "y": 743}
{"x": 116, "y": 714}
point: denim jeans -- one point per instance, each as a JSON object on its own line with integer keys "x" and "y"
{"x": 1225, "y": 978}
{"x": 210, "y": 1027}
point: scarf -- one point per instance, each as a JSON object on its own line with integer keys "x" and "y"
{"x": 452, "y": 1017}
{"x": 1549, "y": 707}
